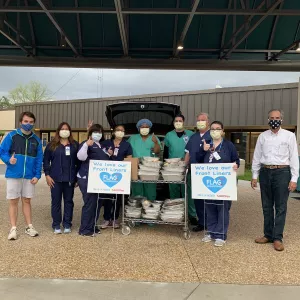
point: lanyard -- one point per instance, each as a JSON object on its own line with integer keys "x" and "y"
{"x": 220, "y": 145}
{"x": 211, "y": 156}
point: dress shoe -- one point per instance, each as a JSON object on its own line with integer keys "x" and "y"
{"x": 198, "y": 228}
{"x": 278, "y": 246}
{"x": 262, "y": 240}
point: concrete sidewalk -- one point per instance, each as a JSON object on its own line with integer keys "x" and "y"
{"x": 46, "y": 289}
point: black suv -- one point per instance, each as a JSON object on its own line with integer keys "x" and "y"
{"x": 160, "y": 114}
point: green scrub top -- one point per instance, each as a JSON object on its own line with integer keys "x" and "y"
{"x": 142, "y": 147}
{"x": 177, "y": 145}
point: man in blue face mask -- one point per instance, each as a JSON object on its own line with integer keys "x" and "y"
{"x": 21, "y": 151}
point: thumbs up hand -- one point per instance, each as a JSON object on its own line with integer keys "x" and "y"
{"x": 13, "y": 160}
{"x": 205, "y": 146}
{"x": 110, "y": 151}
{"x": 90, "y": 142}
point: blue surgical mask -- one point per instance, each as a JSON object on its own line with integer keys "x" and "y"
{"x": 96, "y": 136}
{"x": 27, "y": 127}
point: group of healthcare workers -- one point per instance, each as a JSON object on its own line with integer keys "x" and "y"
{"x": 66, "y": 165}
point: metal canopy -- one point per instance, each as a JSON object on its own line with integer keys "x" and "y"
{"x": 215, "y": 34}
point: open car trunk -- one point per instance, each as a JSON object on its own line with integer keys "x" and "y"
{"x": 129, "y": 113}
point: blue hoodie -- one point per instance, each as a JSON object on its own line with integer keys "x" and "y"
{"x": 28, "y": 152}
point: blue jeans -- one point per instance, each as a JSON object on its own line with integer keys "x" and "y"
{"x": 274, "y": 193}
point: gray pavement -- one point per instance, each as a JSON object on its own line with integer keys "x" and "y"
{"x": 46, "y": 289}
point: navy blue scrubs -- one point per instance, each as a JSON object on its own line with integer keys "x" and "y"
{"x": 112, "y": 209}
{"x": 62, "y": 166}
{"x": 92, "y": 201}
{"x": 196, "y": 152}
{"x": 218, "y": 211}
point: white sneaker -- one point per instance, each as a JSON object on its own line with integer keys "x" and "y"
{"x": 207, "y": 238}
{"x": 57, "y": 231}
{"x": 31, "y": 231}
{"x": 13, "y": 234}
{"x": 67, "y": 230}
{"x": 105, "y": 224}
{"x": 219, "y": 243}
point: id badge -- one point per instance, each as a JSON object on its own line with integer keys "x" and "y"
{"x": 116, "y": 151}
{"x": 217, "y": 156}
{"x": 68, "y": 151}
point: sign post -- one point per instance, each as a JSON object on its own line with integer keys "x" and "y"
{"x": 214, "y": 182}
{"x": 109, "y": 177}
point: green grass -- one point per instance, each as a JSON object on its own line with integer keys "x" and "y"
{"x": 247, "y": 176}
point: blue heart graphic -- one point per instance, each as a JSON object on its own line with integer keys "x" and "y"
{"x": 110, "y": 179}
{"x": 214, "y": 184}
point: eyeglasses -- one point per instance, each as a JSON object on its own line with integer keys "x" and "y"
{"x": 217, "y": 129}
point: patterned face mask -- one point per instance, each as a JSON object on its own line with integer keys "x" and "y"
{"x": 274, "y": 124}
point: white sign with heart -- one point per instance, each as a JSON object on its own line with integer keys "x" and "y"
{"x": 109, "y": 177}
{"x": 214, "y": 182}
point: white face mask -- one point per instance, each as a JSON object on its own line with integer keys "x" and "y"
{"x": 201, "y": 124}
{"x": 64, "y": 134}
{"x": 96, "y": 136}
{"x": 178, "y": 125}
{"x": 144, "y": 131}
{"x": 119, "y": 134}
{"x": 216, "y": 134}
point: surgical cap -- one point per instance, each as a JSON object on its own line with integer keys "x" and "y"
{"x": 143, "y": 121}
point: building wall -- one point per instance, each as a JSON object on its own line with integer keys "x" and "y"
{"x": 237, "y": 107}
{"x": 7, "y": 120}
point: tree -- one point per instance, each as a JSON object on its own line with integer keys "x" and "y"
{"x": 32, "y": 92}
{"x": 4, "y": 103}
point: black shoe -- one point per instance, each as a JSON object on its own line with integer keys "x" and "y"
{"x": 193, "y": 221}
{"x": 198, "y": 228}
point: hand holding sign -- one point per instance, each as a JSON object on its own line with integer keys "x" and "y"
{"x": 13, "y": 160}
{"x": 205, "y": 146}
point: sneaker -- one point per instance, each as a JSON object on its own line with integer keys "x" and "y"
{"x": 12, "y": 234}
{"x": 67, "y": 230}
{"x": 105, "y": 224}
{"x": 207, "y": 238}
{"x": 198, "y": 228}
{"x": 115, "y": 224}
{"x": 31, "y": 231}
{"x": 57, "y": 231}
{"x": 90, "y": 234}
{"x": 97, "y": 231}
{"x": 219, "y": 243}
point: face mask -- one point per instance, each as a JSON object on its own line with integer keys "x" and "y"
{"x": 144, "y": 131}
{"x": 201, "y": 124}
{"x": 216, "y": 134}
{"x": 96, "y": 136}
{"x": 119, "y": 134}
{"x": 64, "y": 134}
{"x": 274, "y": 124}
{"x": 27, "y": 127}
{"x": 178, "y": 125}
